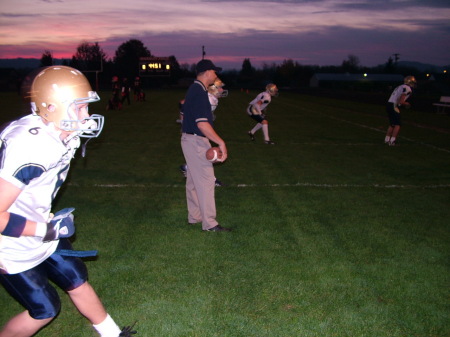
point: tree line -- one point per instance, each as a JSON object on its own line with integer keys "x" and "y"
{"x": 91, "y": 59}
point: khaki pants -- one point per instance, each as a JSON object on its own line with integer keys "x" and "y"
{"x": 200, "y": 181}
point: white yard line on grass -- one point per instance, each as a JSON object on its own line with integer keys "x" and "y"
{"x": 444, "y": 186}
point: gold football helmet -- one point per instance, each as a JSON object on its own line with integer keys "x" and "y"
{"x": 272, "y": 89}
{"x": 411, "y": 81}
{"x": 55, "y": 94}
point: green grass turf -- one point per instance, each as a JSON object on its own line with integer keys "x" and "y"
{"x": 334, "y": 233}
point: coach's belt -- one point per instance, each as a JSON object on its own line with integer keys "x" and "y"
{"x": 191, "y": 133}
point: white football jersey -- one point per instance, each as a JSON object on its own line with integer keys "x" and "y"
{"x": 214, "y": 101}
{"x": 264, "y": 97}
{"x": 33, "y": 158}
{"x": 398, "y": 92}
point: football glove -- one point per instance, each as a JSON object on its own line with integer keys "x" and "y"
{"x": 61, "y": 225}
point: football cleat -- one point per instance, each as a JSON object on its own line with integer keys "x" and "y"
{"x": 183, "y": 169}
{"x": 251, "y": 135}
{"x": 127, "y": 331}
{"x": 269, "y": 142}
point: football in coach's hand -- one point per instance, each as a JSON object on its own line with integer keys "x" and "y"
{"x": 214, "y": 155}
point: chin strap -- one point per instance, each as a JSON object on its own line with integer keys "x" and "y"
{"x": 83, "y": 147}
{"x": 69, "y": 138}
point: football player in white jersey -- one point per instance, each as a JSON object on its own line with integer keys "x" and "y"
{"x": 397, "y": 101}
{"x": 35, "y": 153}
{"x": 216, "y": 91}
{"x": 256, "y": 110}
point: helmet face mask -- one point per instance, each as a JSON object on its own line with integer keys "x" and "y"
{"x": 216, "y": 89}
{"x": 60, "y": 95}
{"x": 272, "y": 89}
{"x": 79, "y": 121}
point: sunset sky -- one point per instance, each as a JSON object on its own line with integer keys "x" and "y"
{"x": 311, "y": 32}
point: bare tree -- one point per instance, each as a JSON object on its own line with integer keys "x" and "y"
{"x": 351, "y": 64}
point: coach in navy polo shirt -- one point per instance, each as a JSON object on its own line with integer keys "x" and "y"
{"x": 197, "y": 132}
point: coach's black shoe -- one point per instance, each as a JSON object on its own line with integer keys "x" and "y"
{"x": 218, "y": 183}
{"x": 127, "y": 331}
{"x": 218, "y": 228}
{"x": 269, "y": 142}
{"x": 251, "y": 135}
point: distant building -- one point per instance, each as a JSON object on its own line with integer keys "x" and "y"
{"x": 327, "y": 80}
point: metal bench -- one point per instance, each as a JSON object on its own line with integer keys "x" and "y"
{"x": 444, "y": 103}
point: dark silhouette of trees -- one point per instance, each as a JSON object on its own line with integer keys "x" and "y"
{"x": 351, "y": 64}
{"x": 92, "y": 60}
{"x": 126, "y": 59}
{"x": 247, "y": 73}
{"x": 176, "y": 71}
{"x": 89, "y": 57}
{"x": 247, "y": 69}
{"x": 46, "y": 59}
{"x": 390, "y": 65}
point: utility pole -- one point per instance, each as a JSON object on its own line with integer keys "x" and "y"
{"x": 396, "y": 57}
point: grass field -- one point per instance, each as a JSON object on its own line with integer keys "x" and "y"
{"x": 334, "y": 233}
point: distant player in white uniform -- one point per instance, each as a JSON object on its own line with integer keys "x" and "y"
{"x": 396, "y": 102}
{"x": 215, "y": 91}
{"x": 35, "y": 153}
{"x": 256, "y": 110}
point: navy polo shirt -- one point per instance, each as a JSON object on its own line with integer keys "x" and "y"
{"x": 196, "y": 108}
